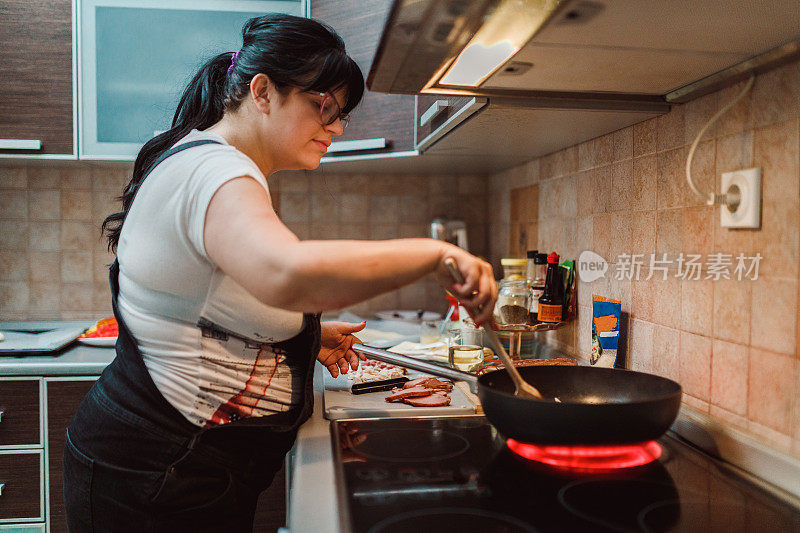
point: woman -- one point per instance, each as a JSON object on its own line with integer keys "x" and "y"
{"x": 218, "y": 301}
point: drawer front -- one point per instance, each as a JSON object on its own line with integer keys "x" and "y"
{"x": 19, "y": 421}
{"x": 22, "y": 528}
{"x": 21, "y": 480}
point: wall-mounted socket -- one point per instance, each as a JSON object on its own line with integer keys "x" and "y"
{"x": 743, "y": 193}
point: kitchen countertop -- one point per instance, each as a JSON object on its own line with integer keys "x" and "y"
{"x": 75, "y": 360}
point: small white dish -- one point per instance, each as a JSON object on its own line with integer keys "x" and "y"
{"x": 99, "y": 341}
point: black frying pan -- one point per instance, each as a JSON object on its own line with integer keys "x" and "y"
{"x": 597, "y": 405}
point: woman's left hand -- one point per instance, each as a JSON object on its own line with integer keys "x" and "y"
{"x": 336, "y": 352}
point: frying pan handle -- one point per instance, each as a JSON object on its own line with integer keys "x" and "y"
{"x": 416, "y": 364}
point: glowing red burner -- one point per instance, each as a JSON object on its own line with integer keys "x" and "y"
{"x": 589, "y": 457}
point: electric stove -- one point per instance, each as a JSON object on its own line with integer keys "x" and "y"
{"x": 458, "y": 474}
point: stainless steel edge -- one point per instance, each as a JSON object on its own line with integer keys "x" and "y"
{"x": 741, "y": 71}
{"x": 770, "y": 469}
{"x": 416, "y": 364}
{"x": 472, "y": 107}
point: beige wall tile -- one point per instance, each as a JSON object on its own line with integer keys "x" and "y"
{"x": 14, "y": 235}
{"x": 670, "y": 128}
{"x": 44, "y": 204}
{"x": 621, "y": 224}
{"x": 695, "y": 403}
{"x": 669, "y": 233}
{"x": 13, "y": 204}
{"x": 587, "y": 155}
{"x": 603, "y": 189}
{"x": 773, "y": 324}
{"x": 698, "y": 230}
{"x": 769, "y": 436}
{"x": 295, "y": 182}
{"x": 728, "y": 417}
{"x": 443, "y": 185}
{"x": 45, "y": 297}
{"x": 643, "y": 299}
{"x": 78, "y": 236}
{"x": 667, "y": 301}
{"x": 101, "y": 261}
{"x": 13, "y": 266}
{"x": 76, "y": 267}
{"x": 382, "y": 231}
{"x": 75, "y": 178}
{"x": 623, "y": 186}
{"x": 644, "y": 184}
{"x": 779, "y": 239}
{"x": 295, "y": 207}
{"x": 734, "y": 152}
{"x": 104, "y": 204}
{"x": 695, "y": 365}
{"x": 697, "y": 113}
{"x": 732, "y": 310}
{"x": 44, "y": 266}
{"x": 13, "y": 296}
{"x": 730, "y": 377}
{"x": 353, "y": 208}
{"x": 43, "y": 178}
{"x": 13, "y": 178}
{"x": 737, "y": 118}
{"x": 604, "y": 150}
{"x": 666, "y": 349}
{"x": 327, "y": 231}
{"x": 643, "y": 233}
{"x": 324, "y": 208}
{"x": 77, "y": 296}
{"x": 640, "y": 356}
{"x": 775, "y": 150}
{"x": 622, "y": 142}
{"x": 770, "y": 386}
{"x": 110, "y": 179}
{"x": 602, "y": 235}
{"x": 697, "y": 307}
{"x": 44, "y": 236}
{"x": 644, "y": 137}
{"x": 76, "y": 205}
{"x": 776, "y": 95}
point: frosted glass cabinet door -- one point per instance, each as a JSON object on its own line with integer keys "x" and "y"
{"x": 137, "y": 56}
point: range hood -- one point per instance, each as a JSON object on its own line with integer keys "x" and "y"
{"x": 612, "y": 50}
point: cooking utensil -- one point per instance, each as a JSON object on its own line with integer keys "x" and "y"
{"x": 522, "y": 389}
{"x": 598, "y": 405}
{"x": 376, "y": 386}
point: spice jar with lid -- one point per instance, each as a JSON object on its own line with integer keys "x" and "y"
{"x": 513, "y": 268}
{"x": 513, "y": 301}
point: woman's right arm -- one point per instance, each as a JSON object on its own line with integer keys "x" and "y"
{"x": 246, "y": 239}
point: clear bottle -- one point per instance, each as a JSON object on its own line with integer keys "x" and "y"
{"x": 531, "y": 271}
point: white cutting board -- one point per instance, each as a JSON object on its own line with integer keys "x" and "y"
{"x": 339, "y": 402}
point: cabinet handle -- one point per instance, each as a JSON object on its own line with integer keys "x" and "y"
{"x": 1, "y": 415}
{"x": 2, "y": 486}
{"x": 20, "y": 144}
{"x": 357, "y": 145}
{"x": 437, "y": 107}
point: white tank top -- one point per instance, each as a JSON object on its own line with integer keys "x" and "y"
{"x": 204, "y": 338}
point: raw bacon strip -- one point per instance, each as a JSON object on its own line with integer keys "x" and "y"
{"x": 429, "y": 383}
{"x": 414, "y": 392}
{"x": 439, "y": 399}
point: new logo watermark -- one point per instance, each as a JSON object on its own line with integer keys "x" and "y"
{"x": 591, "y": 266}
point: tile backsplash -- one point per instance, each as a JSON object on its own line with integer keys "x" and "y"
{"x": 731, "y": 344}
{"x": 53, "y": 261}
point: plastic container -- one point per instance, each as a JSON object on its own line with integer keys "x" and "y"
{"x": 514, "y": 269}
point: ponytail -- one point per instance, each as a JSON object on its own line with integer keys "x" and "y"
{"x": 292, "y": 51}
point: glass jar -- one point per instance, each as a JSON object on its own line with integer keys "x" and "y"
{"x": 513, "y": 302}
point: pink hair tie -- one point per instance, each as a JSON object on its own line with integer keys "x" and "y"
{"x": 233, "y": 59}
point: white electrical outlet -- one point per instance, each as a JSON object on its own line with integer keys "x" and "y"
{"x": 745, "y": 186}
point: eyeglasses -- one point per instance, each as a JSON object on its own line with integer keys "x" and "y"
{"x": 329, "y": 111}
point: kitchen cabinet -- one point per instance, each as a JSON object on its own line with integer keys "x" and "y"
{"x": 36, "y": 88}
{"x": 136, "y": 57}
{"x": 63, "y": 398}
{"x": 379, "y": 116}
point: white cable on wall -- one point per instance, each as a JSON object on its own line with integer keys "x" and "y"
{"x": 711, "y": 198}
